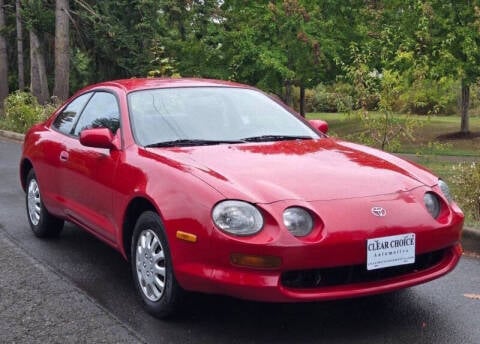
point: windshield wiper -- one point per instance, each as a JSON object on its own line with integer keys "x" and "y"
{"x": 266, "y": 138}
{"x": 191, "y": 142}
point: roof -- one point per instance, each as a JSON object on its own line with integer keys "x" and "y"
{"x": 135, "y": 84}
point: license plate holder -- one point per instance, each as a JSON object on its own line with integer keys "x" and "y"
{"x": 384, "y": 252}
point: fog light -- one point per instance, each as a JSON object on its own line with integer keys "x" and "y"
{"x": 253, "y": 261}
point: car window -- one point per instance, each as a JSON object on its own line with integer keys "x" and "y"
{"x": 210, "y": 113}
{"x": 66, "y": 119}
{"x": 101, "y": 112}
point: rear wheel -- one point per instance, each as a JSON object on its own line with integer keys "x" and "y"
{"x": 152, "y": 267}
{"x": 42, "y": 223}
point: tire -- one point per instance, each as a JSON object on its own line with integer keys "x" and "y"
{"x": 152, "y": 267}
{"x": 42, "y": 223}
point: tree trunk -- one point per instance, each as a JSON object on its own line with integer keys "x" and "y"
{"x": 21, "y": 70}
{"x": 302, "y": 100}
{"x": 62, "y": 51}
{"x": 465, "y": 103}
{"x": 3, "y": 59}
{"x": 288, "y": 93}
{"x": 38, "y": 74}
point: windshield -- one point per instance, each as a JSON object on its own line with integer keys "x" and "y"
{"x": 210, "y": 115}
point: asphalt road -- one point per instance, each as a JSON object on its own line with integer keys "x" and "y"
{"x": 436, "y": 312}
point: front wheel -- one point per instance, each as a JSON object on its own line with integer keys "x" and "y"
{"x": 42, "y": 223}
{"x": 152, "y": 267}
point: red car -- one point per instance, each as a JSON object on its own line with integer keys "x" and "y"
{"x": 215, "y": 187}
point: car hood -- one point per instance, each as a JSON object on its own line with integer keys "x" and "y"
{"x": 308, "y": 170}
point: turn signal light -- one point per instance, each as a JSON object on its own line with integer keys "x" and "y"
{"x": 186, "y": 236}
{"x": 258, "y": 262}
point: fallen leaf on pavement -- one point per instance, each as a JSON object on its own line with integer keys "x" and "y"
{"x": 472, "y": 296}
{"x": 471, "y": 254}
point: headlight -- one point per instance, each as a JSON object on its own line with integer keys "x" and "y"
{"x": 298, "y": 221}
{"x": 445, "y": 190}
{"x": 432, "y": 204}
{"x": 237, "y": 217}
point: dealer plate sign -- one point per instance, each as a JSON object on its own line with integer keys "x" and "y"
{"x": 390, "y": 251}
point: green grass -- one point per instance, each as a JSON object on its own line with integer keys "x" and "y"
{"x": 426, "y": 135}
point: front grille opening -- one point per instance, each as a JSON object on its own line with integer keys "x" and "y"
{"x": 316, "y": 278}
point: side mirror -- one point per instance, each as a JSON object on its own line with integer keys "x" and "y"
{"x": 97, "y": 138}
{"x": 320, "y": 125}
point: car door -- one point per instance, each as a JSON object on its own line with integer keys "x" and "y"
{"x": 52, "y": 149}
{"x": 89, "y": 173}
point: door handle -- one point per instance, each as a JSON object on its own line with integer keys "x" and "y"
{"x": 63, "y": 156}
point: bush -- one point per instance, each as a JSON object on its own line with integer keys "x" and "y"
{"x": 466, "y": 180}
{"x": 429, "y": 97}
{"x": 335, "y": 98}
{"x": 384, "y": 130}
{"x": 22, "y": 111}
{"x": 324, "y": 101}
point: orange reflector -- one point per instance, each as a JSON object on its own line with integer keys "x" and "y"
{"x": 186, "y": 236}
{"x": 251, "y": 261}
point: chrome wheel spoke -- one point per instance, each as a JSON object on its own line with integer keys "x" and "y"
{"x": 158, "y": 257}
{"x": 150, "y": 263}
{"x": 159, "y": 270}
{"x": 159, "y": 283}
{"x": 157, "y": 292}
{"x": 148, "y": 240}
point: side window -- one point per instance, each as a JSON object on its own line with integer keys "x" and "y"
{"x": 66, "y": 119}
{"x": 101, "y": 112}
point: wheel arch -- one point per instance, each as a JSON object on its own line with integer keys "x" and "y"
{"x": 25, "y": 167}
{"x": 135, "y": 208}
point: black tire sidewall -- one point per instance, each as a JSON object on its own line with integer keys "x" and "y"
{"x": 169, "y": 300}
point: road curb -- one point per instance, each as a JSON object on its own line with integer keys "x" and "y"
{"x": 471, "y": 233}
{"x": 12, "y": 135}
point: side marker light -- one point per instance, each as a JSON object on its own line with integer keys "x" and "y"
{"x": 186, "y": 236}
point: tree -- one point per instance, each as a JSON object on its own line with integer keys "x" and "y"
{"x": 285, "y": 43}
{"x": 38, "y": 71}
{"x": 39, "y": 20}
{"x": 62, "y": 50}
{"x": 3, "y": 59}
{"x": 455, "y": 49}
{"x": 272, "y": 45}
{"x": 116, "y": 36}
{"x": 21, "y": 70}
{"x": 432, "y": 40}
{"x": 191, "y": 33}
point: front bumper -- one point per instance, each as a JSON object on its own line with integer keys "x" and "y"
{"x": 336, "y": 255}
{"x": 268, "y": 286}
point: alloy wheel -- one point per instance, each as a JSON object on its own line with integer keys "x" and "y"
{"x": 34, "y": 202}
{"x": 150, "y": 263}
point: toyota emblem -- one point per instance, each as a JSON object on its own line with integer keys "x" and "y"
{"x": 379, "y": 211}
